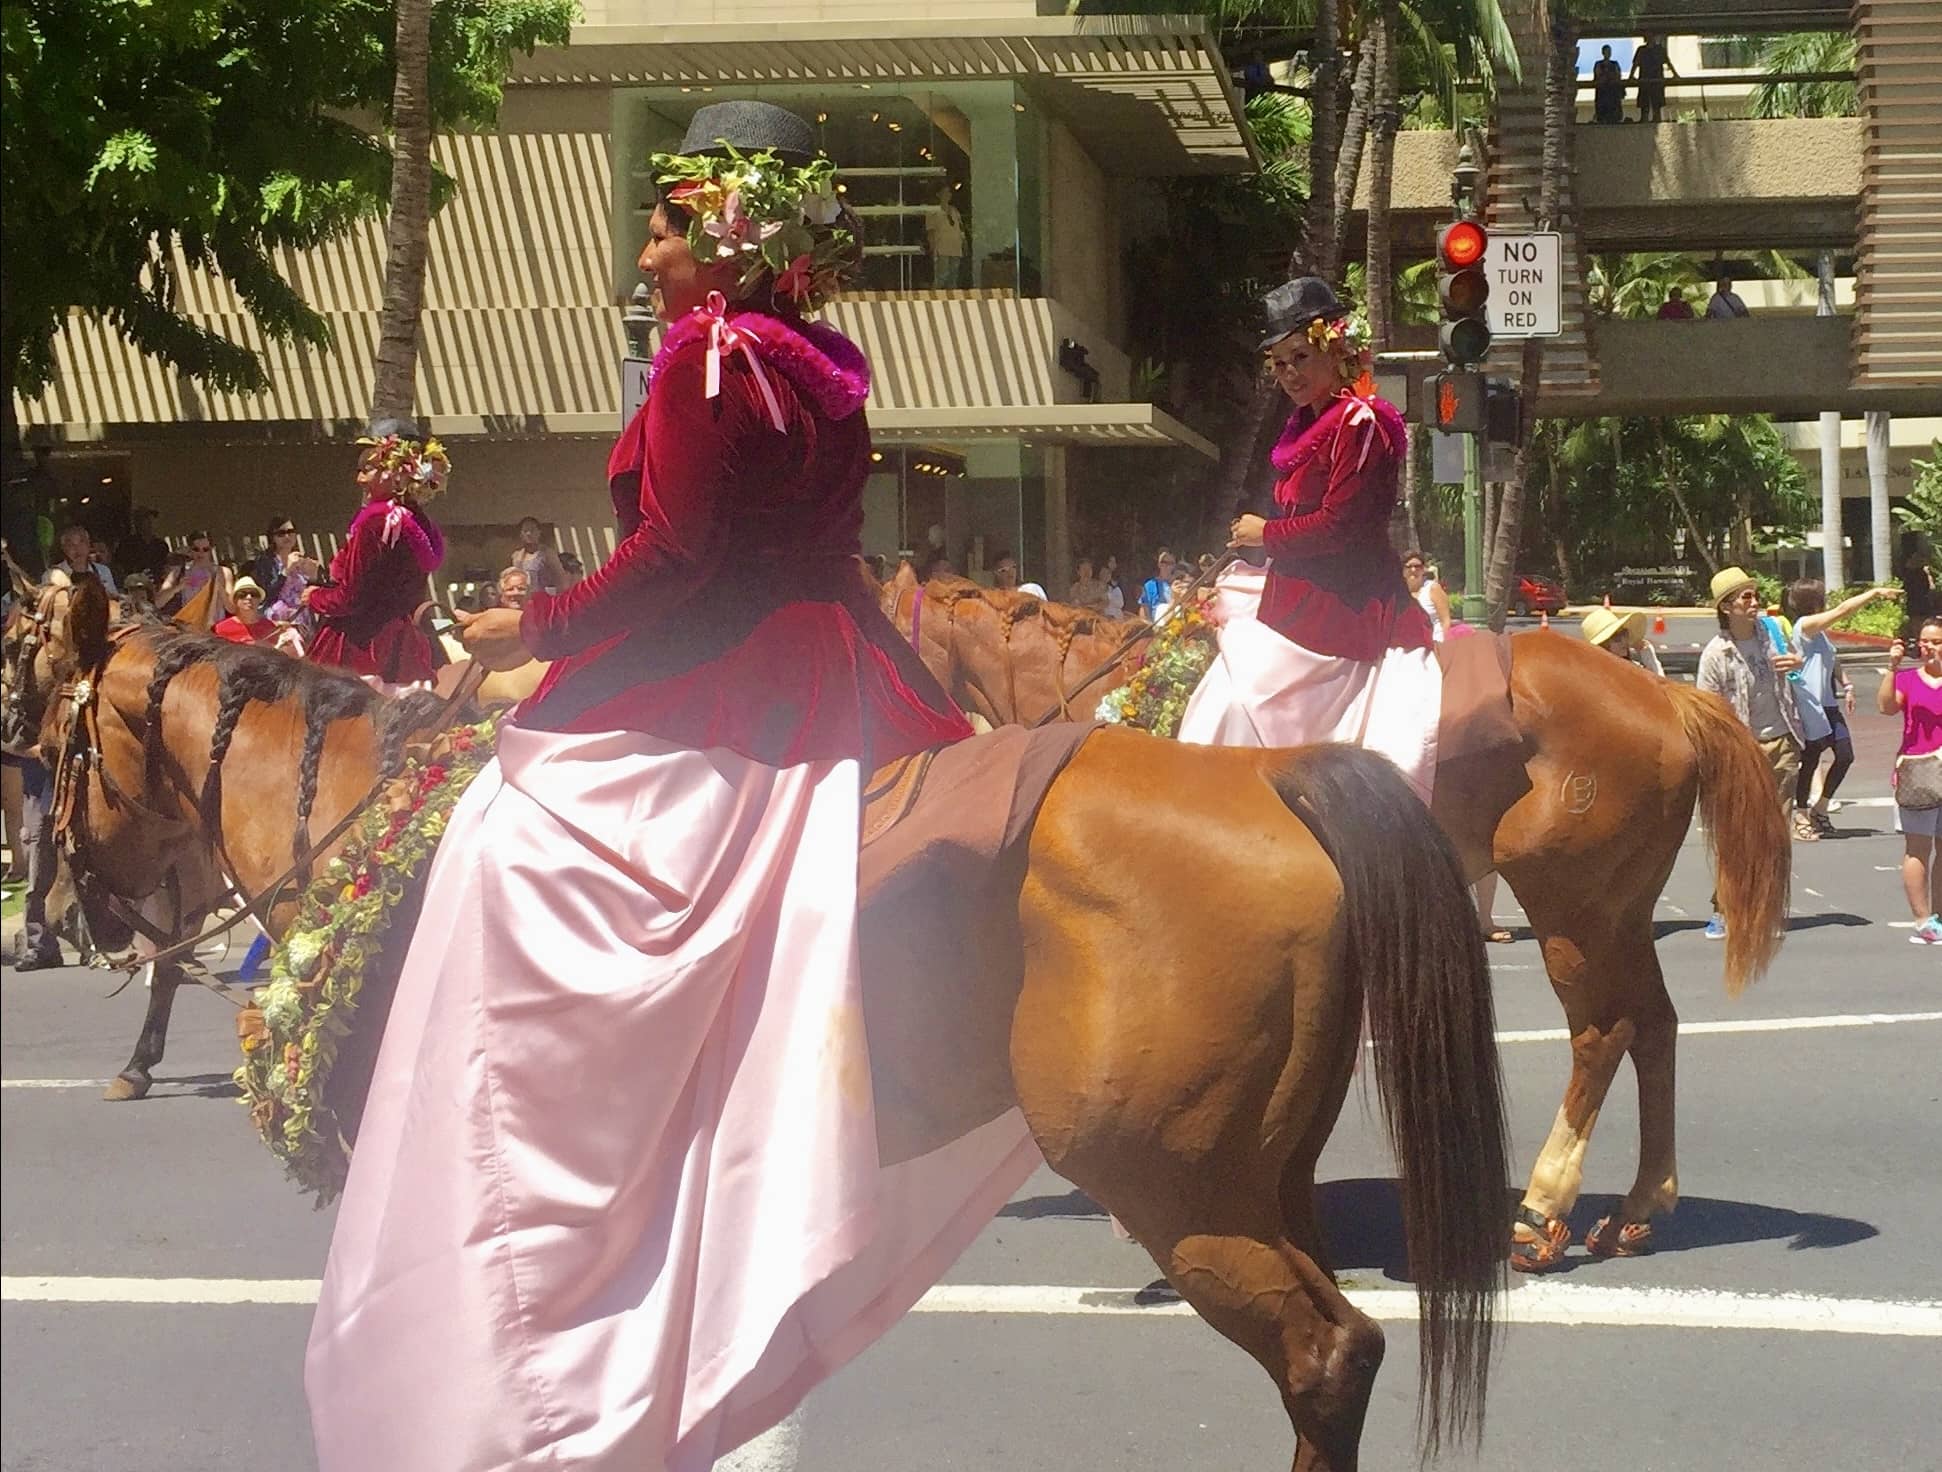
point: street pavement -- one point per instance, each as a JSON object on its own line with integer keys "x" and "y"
{"x": 1787, "y": 1321}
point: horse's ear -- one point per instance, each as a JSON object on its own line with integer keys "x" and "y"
{"x": 87, "y": 624}
{"x": 905, "y": 578}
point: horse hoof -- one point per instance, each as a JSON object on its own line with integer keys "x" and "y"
{"x": 1611, "y": 1238}
{"x": 123, "y": 1087}
{"x": 1537, "y": 1248}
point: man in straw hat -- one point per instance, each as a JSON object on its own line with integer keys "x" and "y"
{"x": 1622, "y": 634}
{"x": 1749, "y": 667}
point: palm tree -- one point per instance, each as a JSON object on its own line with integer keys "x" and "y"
{"x": 1560, "y": 113}
{"x": 408, "y": 229}
{"x": 1808, "y": 51}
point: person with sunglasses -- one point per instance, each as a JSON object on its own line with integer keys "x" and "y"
{"x": 282, "y": 570}
{"x": 185, "y": 580}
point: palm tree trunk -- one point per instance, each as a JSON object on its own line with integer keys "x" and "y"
{"x": 1319, "y": 253}
{"x": 1560, "y": 110}
{"x": 408, "y": 229}
{"x": 1384, "y": 119}
{"x": 1355, "y": 130}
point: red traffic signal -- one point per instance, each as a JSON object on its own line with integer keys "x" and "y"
{"x": 1462, "y": 289}
{"x": 1461, "y": 245}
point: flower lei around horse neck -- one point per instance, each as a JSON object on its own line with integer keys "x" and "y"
{"x": 341, "y": 933}
{"x": 391, "y": 465}
{"x": 780, "y": 221}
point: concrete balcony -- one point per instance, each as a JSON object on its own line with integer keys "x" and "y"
{"x": 1782, "y": 365}
{"x": 1735, "y": 184}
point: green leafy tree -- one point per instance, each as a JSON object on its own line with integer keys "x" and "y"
{"x": 147, "y": 141}
{"x": 1804, "y": 53}
{"x": 1923, "y": 511}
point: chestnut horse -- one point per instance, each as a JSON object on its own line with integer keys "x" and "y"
{"x": 1583, "y": 823}
{"x": 1190, "y": 1100}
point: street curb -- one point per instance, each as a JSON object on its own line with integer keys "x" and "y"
{"x": 1860, "y": 641}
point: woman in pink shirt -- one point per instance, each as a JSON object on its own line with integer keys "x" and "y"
{"x": 1916, "y": 692}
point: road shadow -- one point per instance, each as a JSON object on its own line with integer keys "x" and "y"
{"x": 1842, "y": 918}
{"x": 1074, "y": 1205}
{"x": 1362, "y": 1224}
{"x": 196, "y": 1086}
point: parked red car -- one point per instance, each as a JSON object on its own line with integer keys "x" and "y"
{"x": 1537, "y": 595}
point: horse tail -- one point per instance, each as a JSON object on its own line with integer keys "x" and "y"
{"x": 1411, "y": 942}
{"x": 1745, "y": 829}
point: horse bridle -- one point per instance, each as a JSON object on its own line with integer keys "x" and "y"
{"x": 80, "y": 752}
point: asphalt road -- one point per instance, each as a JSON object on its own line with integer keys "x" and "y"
{"x": 1808, "y": 1159}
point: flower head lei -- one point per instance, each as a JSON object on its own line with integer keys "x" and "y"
{"x": 1343, "y": 339}
{"x": 779, "y": 221}
{"x": 392, "y": 465}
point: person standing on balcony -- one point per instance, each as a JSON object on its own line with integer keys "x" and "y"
{"x": 944, "y": 234}
{"x": 1725, "y": 302}
{"x": 1650, "y": 65}
{"x": 1675, "y": 308}
{"x": 1607, "y": 89}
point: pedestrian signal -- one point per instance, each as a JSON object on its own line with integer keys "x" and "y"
{"x": 1462, "y": 289}
{"x": 1457, "y": 403}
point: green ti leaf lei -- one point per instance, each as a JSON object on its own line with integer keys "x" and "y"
{"x": 1176, "y": 657}
{"x": 291, "y": 1035}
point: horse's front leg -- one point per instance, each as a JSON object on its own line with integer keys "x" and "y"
{"x": 134, "y": 1081}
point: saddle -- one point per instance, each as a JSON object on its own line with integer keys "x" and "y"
{"x": 1476, "y": 717}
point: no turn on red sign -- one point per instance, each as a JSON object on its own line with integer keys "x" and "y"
{"x": 1526, "y": 285}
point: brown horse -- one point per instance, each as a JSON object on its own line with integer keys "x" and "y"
{"x": 1583, "y": 822}
{"x": 1192, "y": 1105}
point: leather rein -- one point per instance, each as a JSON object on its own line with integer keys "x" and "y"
{"x": 80, "y": 754}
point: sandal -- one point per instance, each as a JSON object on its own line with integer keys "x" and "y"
{"x": 1804, "y": 829}
{"x": 1823, "y": 825}
{"x": 1499, "y": 936}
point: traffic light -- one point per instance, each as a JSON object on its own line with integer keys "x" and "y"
{"x": 1462, "y": 288}
{"x": 1458, "y": 403}
{"x": 1503, "y": 411}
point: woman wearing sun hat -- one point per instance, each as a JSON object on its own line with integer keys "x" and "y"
{"x": 616, "y": 1200}
{"x": 1622, "y": 634}
{"x": 1327, "y": 644}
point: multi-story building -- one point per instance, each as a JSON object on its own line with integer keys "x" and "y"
{"x": 987, "y": 148}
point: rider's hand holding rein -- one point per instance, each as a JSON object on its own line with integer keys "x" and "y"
{"x": 492, "y": 638}
{"x": 1246, "y": 531}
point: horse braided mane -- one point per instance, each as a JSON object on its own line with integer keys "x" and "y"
{"x": 251, "y": 672}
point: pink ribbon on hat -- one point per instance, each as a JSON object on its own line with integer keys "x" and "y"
{"x": 725, "y": 337}
{"x": 394, "y": 521}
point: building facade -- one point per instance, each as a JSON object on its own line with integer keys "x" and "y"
{"x": 986, "y": 149}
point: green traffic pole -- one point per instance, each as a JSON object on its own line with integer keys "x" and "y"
{"x": 1474, "y": 605}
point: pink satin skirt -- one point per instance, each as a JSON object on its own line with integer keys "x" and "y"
{"x": 1263, "y": 690}
{"x": 616, "y": 1201}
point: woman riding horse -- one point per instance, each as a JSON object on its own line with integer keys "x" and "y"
{"x": 1328, "y": 645}
{"x": 364, "y": 612}
{"x": 519, "y": 1276}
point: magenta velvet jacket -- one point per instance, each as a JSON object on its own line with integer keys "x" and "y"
{"x": 364, "y": 622}
{"x": 1335, "y": 585}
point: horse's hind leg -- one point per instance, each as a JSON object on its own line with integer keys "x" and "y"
{"x": 1655, "y": 1039}
{"x": 1590, "y": 969}
{"x": 134, "y": 1080}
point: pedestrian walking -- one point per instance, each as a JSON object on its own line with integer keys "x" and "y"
{"x": 1744, "y": 668}
{"x": 1915, "y": 693}
{"x": 1826, "y": 699}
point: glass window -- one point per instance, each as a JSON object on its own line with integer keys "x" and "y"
{"x": 944, "y": 181}
{"x": 970, "y": 503}
{"x": 1727, "y": 53}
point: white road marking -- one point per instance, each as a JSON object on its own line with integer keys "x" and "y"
{"x": 1531, "y": 1303}
{"x": 1745, "y": 1024}
{"x": 1523, "y": 1035}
